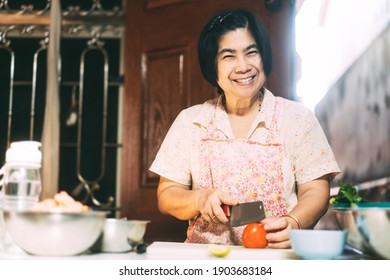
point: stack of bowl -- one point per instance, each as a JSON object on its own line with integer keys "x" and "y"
{"x": 68, "y": 233}
{"x": 120, "y": 235}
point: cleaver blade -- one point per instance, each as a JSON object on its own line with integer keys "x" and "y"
{"x": 246, "y": 213}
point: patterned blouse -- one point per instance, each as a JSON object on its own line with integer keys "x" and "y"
{"x": 307, "y": 154}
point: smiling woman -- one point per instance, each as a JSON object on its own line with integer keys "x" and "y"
{"x": 239, "y": 66}
{"x": 210, "y": 45}
{"x": 240, "y": 75}
{"x": 245, "y": 145}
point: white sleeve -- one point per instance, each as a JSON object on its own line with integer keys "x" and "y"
{"x": 172, "y": 160}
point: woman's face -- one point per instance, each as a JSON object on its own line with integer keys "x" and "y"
{"x": 239, "y": 66}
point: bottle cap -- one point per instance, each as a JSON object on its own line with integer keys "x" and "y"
{"x": 24, "y": 151}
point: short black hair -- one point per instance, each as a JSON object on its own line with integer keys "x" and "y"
{"x": 226, "y": 21}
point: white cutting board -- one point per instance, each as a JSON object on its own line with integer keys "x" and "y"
{"x": 185, "y": 251}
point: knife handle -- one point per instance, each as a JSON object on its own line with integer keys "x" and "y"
{"x": 226, "y": 209}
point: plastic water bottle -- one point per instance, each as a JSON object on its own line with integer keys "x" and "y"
{"x": 21, "y": 182}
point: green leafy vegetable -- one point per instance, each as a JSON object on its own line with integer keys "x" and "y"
{"x": 347, "y": 195}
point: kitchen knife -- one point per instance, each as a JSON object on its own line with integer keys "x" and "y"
{"x": 245, "y": 213}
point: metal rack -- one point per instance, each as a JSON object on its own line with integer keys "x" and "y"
{"x": 31, "y": 21}
{"x": 94, "y": 23}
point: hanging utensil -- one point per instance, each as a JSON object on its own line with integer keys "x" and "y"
{"x": 4, "y": 44}
{"x": 44, "y": 43}
{"x": 71, "y": 119}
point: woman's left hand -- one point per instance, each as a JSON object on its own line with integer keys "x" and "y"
{"x": 277, "y": 228}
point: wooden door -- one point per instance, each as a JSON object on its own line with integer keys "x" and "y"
{"x": 162, "y": 77}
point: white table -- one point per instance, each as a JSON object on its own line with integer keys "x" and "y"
{"x": 177, "y": 251}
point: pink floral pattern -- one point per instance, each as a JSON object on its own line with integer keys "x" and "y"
{"x": 247, "y": 170}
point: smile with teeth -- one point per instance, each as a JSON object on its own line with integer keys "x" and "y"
{"x": 244, "y": 81}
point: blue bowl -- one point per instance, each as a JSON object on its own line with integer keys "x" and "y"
{"x": 311, "y": 244}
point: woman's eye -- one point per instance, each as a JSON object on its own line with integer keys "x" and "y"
{"x": 253, "y": 53}
{"x": 227, "y": 57}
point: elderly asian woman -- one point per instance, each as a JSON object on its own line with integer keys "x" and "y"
{"x": 245, "y": 145}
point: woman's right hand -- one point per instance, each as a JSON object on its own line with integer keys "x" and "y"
{"x": 184, "y": 203}
{"x": 209, "y": 203}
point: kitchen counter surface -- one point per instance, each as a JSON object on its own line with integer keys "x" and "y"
{"x": 182, "y": 251}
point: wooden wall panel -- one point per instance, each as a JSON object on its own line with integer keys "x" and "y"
{"x": 163, "y": 97}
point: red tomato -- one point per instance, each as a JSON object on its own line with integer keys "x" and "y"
{"x": 253, "y": 236}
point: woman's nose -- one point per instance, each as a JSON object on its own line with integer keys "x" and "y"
{"x": 242, "y": 65}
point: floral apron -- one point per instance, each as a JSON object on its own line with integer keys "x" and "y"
{"x": 245, "y": 169}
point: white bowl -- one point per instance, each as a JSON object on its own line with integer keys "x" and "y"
{"x": 120, "y": 235}
{"x": 318, "y": 244}
{"x": 54, "y": 233}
